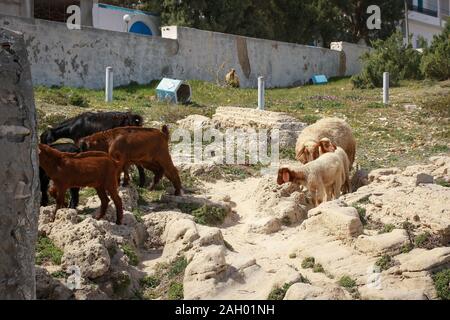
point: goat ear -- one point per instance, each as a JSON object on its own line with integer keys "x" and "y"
{"x": 286, "y": 176}
{"x": 300, "y": 153}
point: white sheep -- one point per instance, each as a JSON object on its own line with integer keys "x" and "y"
{"x": 308, "y": 146}
{"x": 323, "y": 177}
{"x": 325, "y": 146}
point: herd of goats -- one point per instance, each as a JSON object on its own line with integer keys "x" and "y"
{"x": 105, "y": 144}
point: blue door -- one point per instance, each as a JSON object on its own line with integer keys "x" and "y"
{"x": 141, "y": 28}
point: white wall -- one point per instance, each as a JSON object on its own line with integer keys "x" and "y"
{"x": 112, "y": 19}
{"x": 78, "y": 58}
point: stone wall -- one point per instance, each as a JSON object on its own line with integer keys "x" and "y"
{"x": 19, "y": 171}
{"x": 78, "y": 58}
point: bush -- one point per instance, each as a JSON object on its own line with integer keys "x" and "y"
{"x": 150, "y": 282}
{"x": 178, "y": 266}
{"x": 76, "y": 99}
{"x": 209, "y": 215}
{"x": 278, "y": 293}
{"x": 436, "y": 60}
{"x": 308, "y": 263}
{"x": 441, "y": 283}
{"x": 385, "y": 262}
{"x": 347, "y": 282}
{"x": 390, "y": 55}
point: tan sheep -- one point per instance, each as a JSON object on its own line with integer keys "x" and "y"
{"x": 323, "y": 177}
{"x": 308, "y": 145}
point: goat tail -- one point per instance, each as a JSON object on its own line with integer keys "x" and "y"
{"x": 165, "y": 131}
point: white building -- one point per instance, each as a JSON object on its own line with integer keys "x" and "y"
{"x": 93, "y": 14}
{"x": 110, "y": 17}
{"x": 427, "y": 18}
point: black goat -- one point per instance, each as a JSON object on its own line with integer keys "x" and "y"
{"x": 89, "y": 123}
{"x": 45, "y": 180}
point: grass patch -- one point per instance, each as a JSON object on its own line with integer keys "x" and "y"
{"x": 318, "y": 268}
{"x": 46, "y": 251}
{"x": 421, "y": 239}
{"x": 361, "y": 213}
{"x": 131, "y": 254}
{"x": 278, "y": 293}
{"x": 175, "y": 291}
{"x": 59, "y": 274}
{"x": 150, "y": 282}
{"x": 178, "y": 267}
{"x": 441, "y": 283}
{"x": 387, "y": 228}
{"x": 443, "y": 183}
{"x": 385, "y": 262}
{"x": 138, "y": 214}
{"x": 407, "y": 247}
{"x": 347, "y": 282}
{"x": 308, "y": 263}
{"x": 209, "y": 215}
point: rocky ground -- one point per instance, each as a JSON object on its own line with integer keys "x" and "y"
{"x": 252, "y": 239}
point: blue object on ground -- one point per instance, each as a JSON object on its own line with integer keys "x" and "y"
{"x": 319, "y": 79}
{"x": 174, "y": 91}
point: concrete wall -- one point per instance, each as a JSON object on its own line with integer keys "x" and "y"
{"x": 351, "y": 63}
{"x": 19, "y": 176}
{"x": 20, "y": 8}
{"x": 78, "y": 58}
{"x": 210, "y": 55}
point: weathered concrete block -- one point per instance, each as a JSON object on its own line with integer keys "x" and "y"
{"x": 19, "y": 187}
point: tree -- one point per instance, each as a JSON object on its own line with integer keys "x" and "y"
{"x": 354, "y": 13}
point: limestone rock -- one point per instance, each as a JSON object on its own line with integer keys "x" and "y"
{"x": 382, "y": 243}
{"x": 304, "y": 291}
{"x": 375, "y": 175}
{"x": 421, "y": 259}
{"x": 48, "y": 288}
{"x": 265, "y": 225}
{"x": 195, "y": 122}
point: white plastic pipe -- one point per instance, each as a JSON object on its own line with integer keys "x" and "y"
{"x": 386, "y": 87}
{"x": 109, "y": 84}
{"x": 261, "y": 93}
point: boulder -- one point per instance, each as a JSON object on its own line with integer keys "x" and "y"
{"x": 421, "y": 259}
{"x": 304, "y": 291}
{"x": 386, "y": 243}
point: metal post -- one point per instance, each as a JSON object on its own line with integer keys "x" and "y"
{"x": 261, "y": 93}
{"x": 386, "y": 87}
{"x": 109, "y": 84}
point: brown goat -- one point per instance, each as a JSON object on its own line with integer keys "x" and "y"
{"x": 147, "y": 147}
{"x": 86, "y": 169}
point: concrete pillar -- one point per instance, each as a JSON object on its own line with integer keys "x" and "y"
{"x": 19, "y": 171}
{"x": 86, "y": 12}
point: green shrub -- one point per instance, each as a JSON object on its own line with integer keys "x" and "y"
{"x": 387, "y": 228}
{"x": 308, "y": 262}
{"x": 318, "y": 268}
{"x": 209, "y": 215}
{"x": 443, "y": 183}
{"x": 178, "y": 266}
{"x": 78, "y": 100}
{"x": 385, "y": 262}
{"x": 407, "y": 247}
{"x": 278, "y": 293}
{"x": 436, "y": 59}
{"x": 47, "y": 251}
{"x": 361, "y": 213}
{"x": 121, "y": 284}
{"x": 421, "y": 239}
{"x": 175, "y": 291}
{"x": 150, "y": 282}
{"x": 390, "y": 55}
{"x": 442, "y": 284}
{"x": 129, "y": 252}
{"x": 347, "y": 282}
